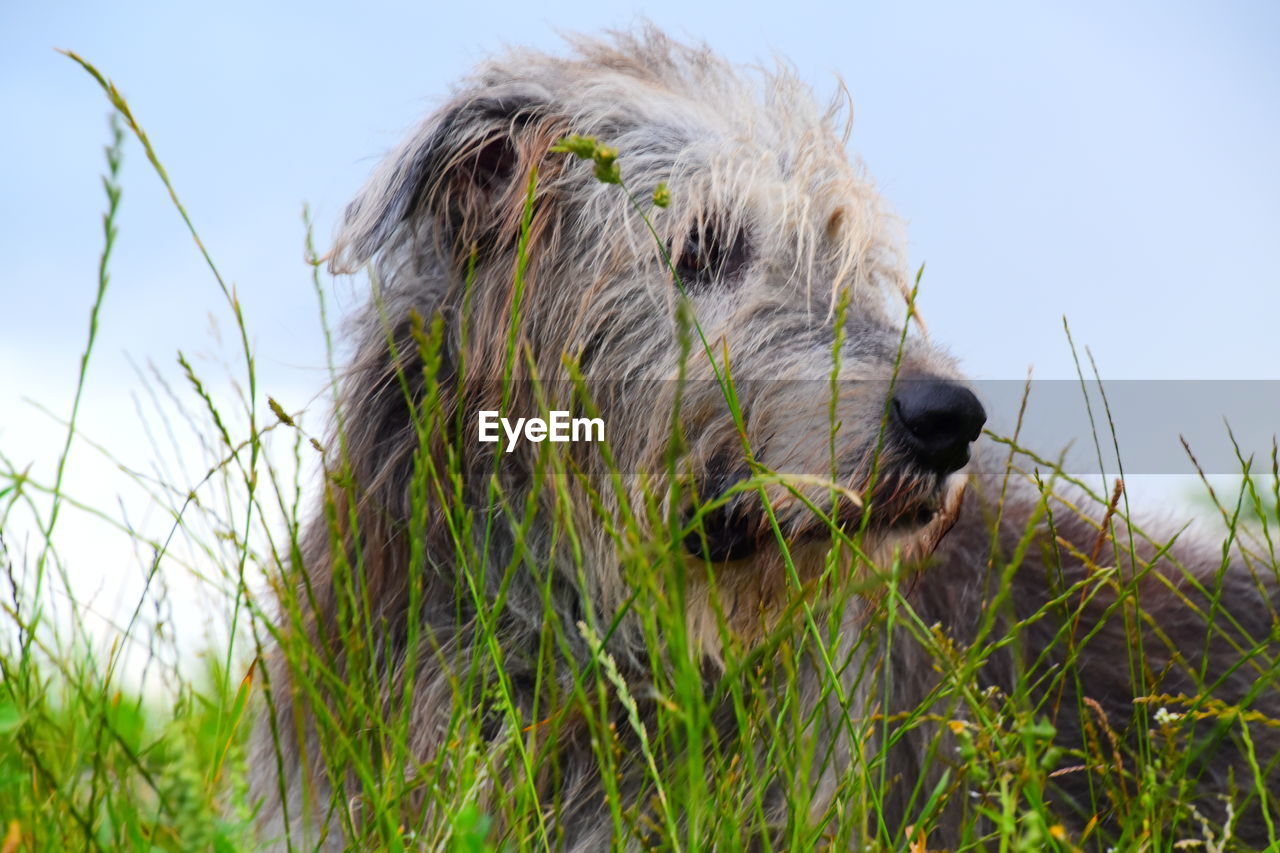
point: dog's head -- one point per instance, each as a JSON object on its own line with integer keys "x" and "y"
{"x": 787, "y": 274}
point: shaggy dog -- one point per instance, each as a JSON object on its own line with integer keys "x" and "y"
{"x": 510, "y": 275}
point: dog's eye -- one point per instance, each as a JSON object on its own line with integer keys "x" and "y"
{"x": 708, "y": 256}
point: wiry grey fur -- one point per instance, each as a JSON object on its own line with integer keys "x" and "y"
{"x": 744, "y": 152}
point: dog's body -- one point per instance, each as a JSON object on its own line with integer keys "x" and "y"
{"x": 769, "y": 228}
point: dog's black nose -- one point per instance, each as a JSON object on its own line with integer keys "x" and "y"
{"x": 938, "y": 421}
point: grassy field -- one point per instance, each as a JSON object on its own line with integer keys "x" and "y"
{"x": 89, "y": 761}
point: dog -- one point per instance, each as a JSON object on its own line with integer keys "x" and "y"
{"x": 685, "y": 249}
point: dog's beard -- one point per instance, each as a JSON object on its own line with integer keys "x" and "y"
{"x": 754, "y": 584}
{"x": 907, "y": 522}
{"x": 912, "y": 541}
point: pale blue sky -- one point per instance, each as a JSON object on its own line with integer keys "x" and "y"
{"x": 1112, "y": 162}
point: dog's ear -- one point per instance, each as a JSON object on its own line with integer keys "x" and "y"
{"x": 465, "y": 170}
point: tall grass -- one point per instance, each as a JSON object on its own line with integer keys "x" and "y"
{"x": 88, "y": 761}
